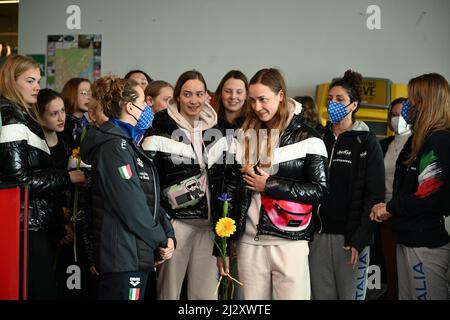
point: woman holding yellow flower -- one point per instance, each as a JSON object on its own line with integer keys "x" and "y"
{"x": 282, "y": 174}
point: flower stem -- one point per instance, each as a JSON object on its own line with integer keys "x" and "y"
{"x": 225, "y": 209}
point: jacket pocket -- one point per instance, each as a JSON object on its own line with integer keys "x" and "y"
{"x": 145, "y": 256}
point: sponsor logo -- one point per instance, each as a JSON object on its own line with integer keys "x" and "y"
{"x": 135, "y": 281}
{"x": 344, "y": 152}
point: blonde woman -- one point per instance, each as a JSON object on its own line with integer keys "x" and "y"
{"x": 25, "y": 158}
{"x": 282, "y": 176}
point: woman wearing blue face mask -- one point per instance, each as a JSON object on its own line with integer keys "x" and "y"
{"x": 339, "y": 255}
{"x": 129, "y": 224}
{"x": 420, "y": 198}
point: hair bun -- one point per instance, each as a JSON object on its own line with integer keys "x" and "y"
{"x": 353, "y": 78}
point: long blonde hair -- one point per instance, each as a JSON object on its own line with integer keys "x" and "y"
{"x": 13, "y": 67}
{"x": 273, "y": 79}
{"x": 431, "y": 96}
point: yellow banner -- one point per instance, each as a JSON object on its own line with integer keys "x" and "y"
{"x": 375, "y": 92}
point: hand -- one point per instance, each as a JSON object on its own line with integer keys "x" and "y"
{"x": 379, "y": 213}
{"x": 77, "y": 177}
{"x": 256, "y": 182}
{"x": 354, "y": 257}
{"x": 157, "y": 263}
{"x": 68, "y": 238}
{"x": 167, "y": 252}
{"x": 222, "y": 272}
{"x": 94, "y": 270}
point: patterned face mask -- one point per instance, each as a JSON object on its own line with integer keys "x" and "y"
{"x": 146, "y": 118}
{"x": 337, "y": 111}
{"x": 409, "y": 112}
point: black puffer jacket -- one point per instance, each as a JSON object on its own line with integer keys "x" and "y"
{"x": 177, "y": 161}
{"x": 301, "y": 177}
{"x": 25, "y": 158}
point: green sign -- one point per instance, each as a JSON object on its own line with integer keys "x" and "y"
{"x": 39, "y": 58}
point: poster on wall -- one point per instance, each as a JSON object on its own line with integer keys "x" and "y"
{"x": 39, "y": 58}
{"x": 73, "y": 56}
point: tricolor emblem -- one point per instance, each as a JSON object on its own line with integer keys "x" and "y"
{"x": 125, "y": 172}
{"x": 134, "y": 294}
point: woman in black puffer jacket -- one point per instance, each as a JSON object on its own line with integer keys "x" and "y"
{"x": 25, "y": 159}
{"x": 189, "y": 162}
{"x": 282, "y": 176}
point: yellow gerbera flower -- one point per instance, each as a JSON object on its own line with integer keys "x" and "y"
{"x": 225, "y": 227}
{"x": 76, "y": 153}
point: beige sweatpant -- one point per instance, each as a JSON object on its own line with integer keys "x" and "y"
{"x": 279, "y": 272}
{"x": 194, "y": 256}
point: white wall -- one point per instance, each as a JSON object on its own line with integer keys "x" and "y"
{"x": 311, "y": 41}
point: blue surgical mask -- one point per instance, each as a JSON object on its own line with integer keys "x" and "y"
{"x": 409, "y": 112}
{"x": 337, "y": 111}
{"x": 146, "y": 118}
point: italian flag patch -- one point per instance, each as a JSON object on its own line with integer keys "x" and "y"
{"x": 430, "y": 178}
{"x": 134, "y": 294}
{"x": 125, "y": 172}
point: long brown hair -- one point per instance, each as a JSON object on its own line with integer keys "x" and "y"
{"x": 273, "y": 79}
{"x": 70, "y": 94}
{"x": 430, "y": 93}
{"x": 13, "y": 67}
{"x": 233, "y": 74}
{"x": 182, "y": 79}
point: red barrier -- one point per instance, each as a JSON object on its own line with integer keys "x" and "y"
{"x": 13, "y": 242}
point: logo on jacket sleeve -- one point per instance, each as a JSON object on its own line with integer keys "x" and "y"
{"x": 135, "y": 281}
{"x": 134, "y": 292}
{"x": 124, "y": 144}
{"x": 125, "y": 172}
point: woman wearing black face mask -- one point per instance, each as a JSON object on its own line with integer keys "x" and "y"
{"x": 420, "y": 198}
{"x": 129, "y": 224}
{"x": 339, "y": 255}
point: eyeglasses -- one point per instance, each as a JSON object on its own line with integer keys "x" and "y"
{"x": 86, "y": 93}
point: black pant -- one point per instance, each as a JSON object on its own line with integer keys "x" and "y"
{"x": 41, "y": 276}
{"x": 122, "y": 286}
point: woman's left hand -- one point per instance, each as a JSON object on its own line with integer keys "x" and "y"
{"x": 256, "y": 182}
{"x": 167, "y": 252}
{"x": 379, "y": 213}
{"x": 354, "y": 257}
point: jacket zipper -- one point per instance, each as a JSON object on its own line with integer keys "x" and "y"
{"x": 329, "y": 167}
{"x": 256, "y": 238}
{"x": 156, "y": 193}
